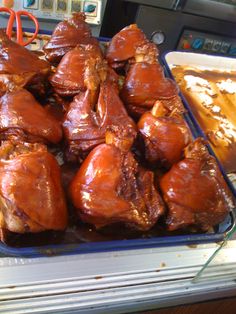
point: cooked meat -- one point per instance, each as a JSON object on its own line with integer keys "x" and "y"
{"x": 165, "y": 135}
{"x": 31, "y": 196}
{"x": 20, "y": 67}
{"x": 123, "y": 46}
{"x": 195, "y": 191}
{"x": 80, "y": 69}
{"x": 23, "y": 118}
{"x": 111, "y": 187}
{"x": 88, "y": 117}
{"x": 145, "y": 83}
{"x": 67, "y": 35}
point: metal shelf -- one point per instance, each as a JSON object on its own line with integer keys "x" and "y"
{"x": 117, "y": 282}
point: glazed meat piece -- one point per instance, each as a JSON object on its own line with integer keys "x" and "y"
{"x": 195, "y": 191}
{"x": 31, "y": 196}
{"x": 165, "y": 135}
{"x": 19, "y": 67}
{"x": 110, "y": 186}
{"x": 124, "y": 44}
{"x": 80, "y": 69}
{"x": 67, "y": 35}
{"x": 23, "y": 118}
{"x": 145, "y": 83}
{"x": 173, "y": 104}
{"x": 89, "y": 116}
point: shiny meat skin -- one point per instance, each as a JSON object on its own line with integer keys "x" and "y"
{"x": 67, "y": 35}
{"x": 195, "y": 191}
{"x": 145, "y": 83}
{"x": 31, "y": 195}
{"x": 173, "y": 103}
{"x": 23, "y": 118}
{"x": 110, "y": 187}
{"x": 165, "y": 136}
{"x": 19, "y": 67}
{"x": 89, "y": 116}
{"x": 124, "y": 44}
{"x": 80, "y": 69}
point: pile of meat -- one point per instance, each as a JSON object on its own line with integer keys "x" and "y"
{"x": 118, "y": 122}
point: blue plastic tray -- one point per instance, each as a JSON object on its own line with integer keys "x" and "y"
{"x": 117, "y": 245}
{"x": 66, "y": 249}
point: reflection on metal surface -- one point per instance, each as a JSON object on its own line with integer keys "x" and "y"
{"x": 115, "y": 282}
{"x": 231, "y": 2}
{"x": 219, "y": 9}
{"x": 219, "y": 253}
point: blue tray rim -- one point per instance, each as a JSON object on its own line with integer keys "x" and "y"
{"x": 116, "y": 245}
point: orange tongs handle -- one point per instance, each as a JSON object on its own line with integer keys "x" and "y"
{"x": 10, "y": 21}
{"x": 17, "y": 15}
{"x": 19, "y": 30}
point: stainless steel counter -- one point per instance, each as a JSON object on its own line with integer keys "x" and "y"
{"x": 116, "y": 282}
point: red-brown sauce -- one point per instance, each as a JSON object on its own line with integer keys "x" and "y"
{"x": 215, "y": 112}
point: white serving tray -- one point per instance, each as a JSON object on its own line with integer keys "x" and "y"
{"x": 203, "y": 62}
